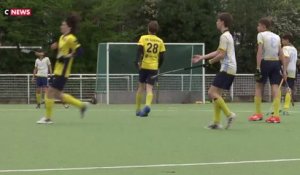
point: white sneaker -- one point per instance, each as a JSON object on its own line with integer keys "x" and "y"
{"x": 44, "y": 120}
{"x": 230, "y": 119}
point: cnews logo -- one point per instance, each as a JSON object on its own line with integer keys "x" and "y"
{"x": 17, "y": 12}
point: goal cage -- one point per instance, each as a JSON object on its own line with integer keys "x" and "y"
{"x": 117, "y": 76}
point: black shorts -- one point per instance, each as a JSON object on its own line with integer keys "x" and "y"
{"x": 270, "y": 70}
{"x": 41, "y": 82}
{"x": 291, "y": 82}
{"x": 223, "y": 80}
{"x": 145, "y": 76}
{"x": 59, "y": 82}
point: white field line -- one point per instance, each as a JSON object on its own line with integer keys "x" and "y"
{"x": 151, "y": 166}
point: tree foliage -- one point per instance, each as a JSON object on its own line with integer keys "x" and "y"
{"x": 125, "y": 21}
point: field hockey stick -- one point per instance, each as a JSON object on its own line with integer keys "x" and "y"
{"x": 177, "y": 70}
{"x": 290, "y": 91}
{"x": 157, "y": 90}
{"x": 27, "y": 50}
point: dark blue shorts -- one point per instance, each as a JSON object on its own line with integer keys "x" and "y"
{"x": 291, "y": 82}
{"x": 145, "y": 76}
{"x": 270, "y": 70}
{"x": 223, "y": 80}
{"x": 41, "y": 82}
{"x": 59, "y": 82}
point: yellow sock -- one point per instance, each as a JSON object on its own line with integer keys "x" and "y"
{"x": 138, "y": 101}
{"x": 217, "y": 113}
{"x": 257, "y": 101}
{"x": 149, "y": 98}
{"x": 38, "y": 98}
{"x": 276, "y": 103}
{"x": 287, "y": 100}
{"x": 222, "y": 105}
{"x": 49, "y": 106}
{"x": 67, "y": 98}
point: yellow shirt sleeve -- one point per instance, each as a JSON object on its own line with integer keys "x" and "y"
{"x": 285, "y": 52}
{"x": 223, "y": 43}
{"x": 141, "y": 41}
{"x": 73, "y": 43}
{"x": 162, "y": 47}
{"x": 260, "y": 39}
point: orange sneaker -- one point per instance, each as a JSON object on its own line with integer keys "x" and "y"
{"x": 255, "y": 117}
{"x": 273, "y": 119}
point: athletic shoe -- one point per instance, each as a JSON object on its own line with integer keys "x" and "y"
{"x": 138, "y": 113}
{"x": 83, "y": 109}
{"x": 273, "y": 119}
{"x": 230, "y": 120}
{"x": 214, "y": 126}
{"x": 66, "y": 105}
{"x": 255, "y": 117}
{"x": 145, "y": 111}
{"x": 38, "y": 106}
{"x": 284, "y": 112}
{"x": 44, "y": 120}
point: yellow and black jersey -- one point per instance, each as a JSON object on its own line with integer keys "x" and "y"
{"x": 67, "y": 44}
{"x": 153, "y": 46}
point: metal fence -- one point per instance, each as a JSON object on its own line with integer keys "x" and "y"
{"x": 18, "y": 88}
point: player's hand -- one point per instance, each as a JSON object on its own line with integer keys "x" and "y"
{"x": 137, "y": 65}
{"x": 54, "y": 46}
{"x": 284, "y": 75}
{"x": 33, "y": 80}
{"x": 257, "y": 75}
{"x": 50, "y": 81}
{"x": 197, "y": 58}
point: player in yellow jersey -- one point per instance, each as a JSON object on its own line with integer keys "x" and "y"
{"x": 290, "y": 55}
{"x": 68, "y": 47}
{"x": 150, "y": 56}
{"x": 225, "y": 54}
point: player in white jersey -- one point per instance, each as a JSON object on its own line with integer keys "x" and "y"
{"x": 269, "y": 55}
{"x": 224, "y": 79}
{"x": 40, "y": 75}
{"x": 290, "y": 55}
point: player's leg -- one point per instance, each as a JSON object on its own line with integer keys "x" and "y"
{"x": 258, "y": 115}
{"x": 275, "y": 79}
{"x": 288, "y": 95}
{"x": 38, "y": 92}
{"x": 217, "y": 109}
{"x": 138, "y": 97}
{"x": 259, "y": 85}
{"x": 69, "y": 99}
{"x": 140, "y": 91}
{"x": 222, "y": 81}
{"x": 49, "y": 102}
{"x": 149, "y": 91}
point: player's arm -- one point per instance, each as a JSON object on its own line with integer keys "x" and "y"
{"x": 284, "y": 62}
{"x": 54, "y": 46}
{"x": 139, "y": 56}
{"x": 197, "y": 58}
{"x": 220, "y": 54}
{"x": 34, "y": 73}
{"x": 259, "y": 55}
{"x": 161, "y": 59}
{"x": 49, "y": 67}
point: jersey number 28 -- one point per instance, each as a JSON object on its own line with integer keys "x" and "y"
{"x": 152, "y": 48}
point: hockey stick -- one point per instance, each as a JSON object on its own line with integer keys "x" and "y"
{"x": 181, "y": 69}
